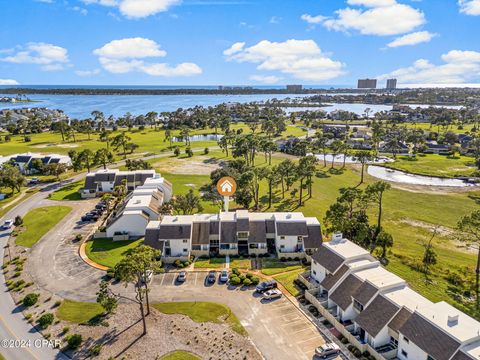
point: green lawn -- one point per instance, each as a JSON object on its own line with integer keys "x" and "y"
{"x": 287, "y": 279}
{"x": 68, "y": 192}
{"x": 275, "y": 266}
{"x": 219, "y": 263}
{"x": 78, "y": 312}
{"x": 435, "y": 165}
{"x": 38, "y": 222}
{"x": 203, "y": 312}
{"x": 107, "y": 252}
{"x": 180, "y": 355}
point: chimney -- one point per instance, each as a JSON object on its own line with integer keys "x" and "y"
{"x": 452, "y": 320}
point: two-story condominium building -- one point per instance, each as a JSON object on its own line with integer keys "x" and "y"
{"x": 105, "y": 180}
{"x": 377, "y": 311}
{"x": 26, "y": 161}
{"x": 239, "y": 232}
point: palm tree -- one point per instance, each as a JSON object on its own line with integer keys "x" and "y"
{"x": 363, "y": 157}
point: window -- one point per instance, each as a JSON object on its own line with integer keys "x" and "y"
{"x": 357, "y": 305}
{"x": 243, "y": 234}
{"x": 185, "y": 241}
{"x": 300, "y": 239}
{"x": 196, "y": 247}
{"x": 282, "y": 237}
{"x": 393, "y": 341}
{"x": 430, "y": 357}
{"x": 314, "y": 272}
{"x": 282, "y": 246}
{"x": 253, "y": 246}
{"x": 406, "y": 340}
{"x": 185, "y": 250}
{"x": 225, "y": 246}
{"x": 404, "y": 354}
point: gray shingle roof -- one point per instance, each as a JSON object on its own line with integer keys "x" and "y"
{"x": 257, "y": 232}
{"x": 377, "y": 315}
{"x": 327, "y": 258}
{"x": 172, "y": 232}
{"x": 201, "y": 233}
{"x": 429, "y": 338}
{"x": 365, "y": 293}
{"x": 270, "y": 226}
{"x": 228, "y": 231}
{"x": 342, "y": 296}
{"x": 460, "y": 355}
{"x": 90, "y": 183}
{"x": 242, "y": 224}
{"x": 151, "y": 238}
{"x": 330, "y": 280}
{"x": 314, "y": 239}
{"x": 214, "y": 226}
{"x": 397, "y": 322}
{"x": 292, "y": 228}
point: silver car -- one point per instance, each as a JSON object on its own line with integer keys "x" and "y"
{"x": 272, "y": 294}
{"x": 224, "y": 276}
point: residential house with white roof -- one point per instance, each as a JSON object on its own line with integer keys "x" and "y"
{"x": 377, "y": 312}
{"x": 25, "y": 162}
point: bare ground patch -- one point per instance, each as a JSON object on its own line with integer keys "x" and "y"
{"x": 44, "y": 146}
{"x": 442, "y": 231}
{"x": 197, "y": 165}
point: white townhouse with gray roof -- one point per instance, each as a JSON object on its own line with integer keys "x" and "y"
{"x": 289, "y": 235}
{"x": 377, "y": 311}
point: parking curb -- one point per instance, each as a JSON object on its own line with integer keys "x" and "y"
{"x": 84, "y": 257}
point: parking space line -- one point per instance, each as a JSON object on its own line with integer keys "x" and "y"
{"x": 163, "y": 278}
{"x": 173, "y": 280}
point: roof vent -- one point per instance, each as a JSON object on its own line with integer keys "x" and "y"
{"x": 137, "y": 201}
{"x": 337, "y": 237}
{"x": 289, "y": 216}
{"x": 452, "y": 320}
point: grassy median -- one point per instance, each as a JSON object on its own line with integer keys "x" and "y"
{"x": 107, "y": 252}
{"x": 68, "y": 192}
{"x": 180, "y": 355}
{"x": 38, "y": 222}
{"x": 78, "y": 312}
{"x": 203, "y": 312}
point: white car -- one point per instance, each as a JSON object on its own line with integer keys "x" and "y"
{"x": 146, "y": 279}
{"x": 7, "y": 224}
{"x": 272, "y": 294}
{"x": 224, "y": 276}
{"x": 327, "y": 350}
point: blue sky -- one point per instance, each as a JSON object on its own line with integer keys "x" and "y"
{"x": 213, "y": 42}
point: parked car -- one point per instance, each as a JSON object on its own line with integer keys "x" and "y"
{"x": 211, "y": 277}
{"x": 224, "y": 276}
{"x": 90, "y": 217}
{"x": 7, "y": 224}
{"x": 272, "y": 294}
{"x": 327, "y": 350}
{"x": 146, "y": 279}
{"x": 266, "y": 285}
{"x": 182, "y": 276}
{"x": 100, "y": 206}
{"x": 33, "y": 181}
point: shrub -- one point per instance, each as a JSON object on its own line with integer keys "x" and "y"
{"x": 65, "y": 329}
{"x": 296, "y": 258}
{"x": 74, "y": 341}
{"x": 206, "y": 151}
{"x": 249, "y": 275}
{"x": 95, "y": 350}
{"x": 30, "y": 299}
{"x": 18, "y": 220}
{"x": 28, "y": 316}
{"x": 255, "y": 280}
{"x": 45, "y": 320}
{"x": 176, "y": 152}
{"x": 247, "y": 282}
{"x": 357, "y": 353}
{"x": 289, "y": 259}
{"x": 235, "y": 280}
{"x": 186, "y": 263}
{"x": 57, "y": 303}
{"x": 350, "y": 347}
{"x": 344, "y": 340}
{"x": 242, "y": 277}
{"x": 236, "y": 271}
{"x": 282, "y": 259}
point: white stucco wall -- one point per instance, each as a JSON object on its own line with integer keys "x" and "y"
{"x": 318, "y": 271}
{"x": 290, "y": 243}
{"x": 105, "y": 186}
{"x": 413, "y": 351}
{"x": 134, "y": 224}
{"x": 177, "y": 246}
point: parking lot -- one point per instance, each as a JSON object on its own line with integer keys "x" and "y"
{"x": 277, "y": 327}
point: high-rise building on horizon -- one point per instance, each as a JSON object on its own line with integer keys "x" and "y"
{"x": 367, "y": 84}
{"x": 294, "y": 87}
{"x": 391, "y": 84}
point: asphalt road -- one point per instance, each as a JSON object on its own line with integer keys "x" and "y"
{"x": 18, "y": 339}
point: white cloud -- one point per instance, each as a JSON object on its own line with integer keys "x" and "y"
{"x": 301, "y": 59}
{"x": 458, "y": 67}
{"x": 127, "y": 55}
{"x": 469, "y": 7}
{"x": 318, "y": 19}
{"x": 265, "y": 79}
{"x": 50, "y": 57}
{"x": 275, "y": 20}
{"x": 130, "y": 48}
{"x": 377, "y": 17}
{"x": 87, "y": 73}
{"x": 80, "y": 10}
{"x": 8, "y": 82}
{"x": 412, "y": 39}
{"x": 137, "y": 9}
